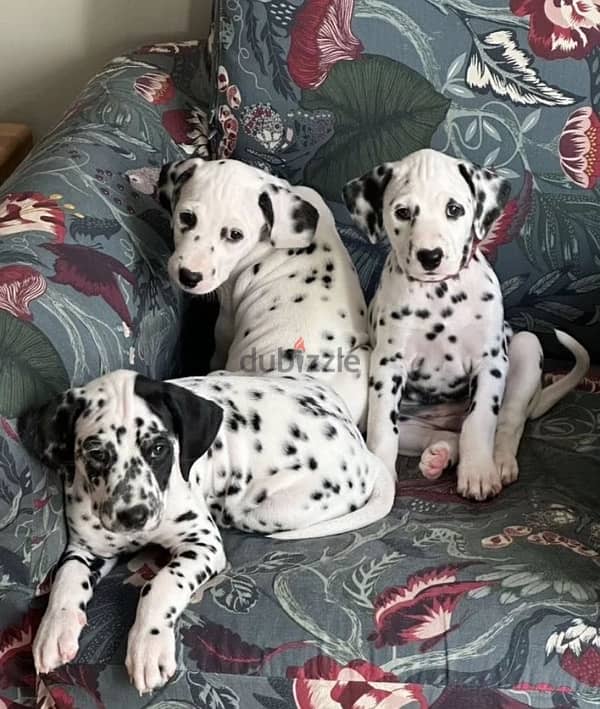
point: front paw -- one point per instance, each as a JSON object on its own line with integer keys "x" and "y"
{"x": 507, "y": 465}
{"x": 57, "y": 639}
{"x": 478, "y": 479}
{"x": 150, "y": 659}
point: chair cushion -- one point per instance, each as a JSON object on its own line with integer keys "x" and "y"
{"x": 322, "y": 92}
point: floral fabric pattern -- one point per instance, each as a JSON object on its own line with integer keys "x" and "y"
{"x": 445, "y": 604}
{"x": 83, "y": 290}
{"x": 330, "y": 88}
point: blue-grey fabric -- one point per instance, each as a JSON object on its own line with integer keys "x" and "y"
{"x": 446, "y": 604}
{"x": 321, "y": 91}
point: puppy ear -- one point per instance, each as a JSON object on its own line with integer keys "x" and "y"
{"x": 172, "y": 178}
{"x": 291, "y": 222}
{"x": 48, "y": 431}
{"x": 490, "y": 193}
{"x": 364, "y": 199}
{"x": 195, "y": 420}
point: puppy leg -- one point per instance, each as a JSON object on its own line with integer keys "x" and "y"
{"x": 522, "y": 384}
{"x": 438, "y": 449}
{"x": 150, "y": 657}
{"x": 387, "y": 377}
{"x": 477, "y": 474}
{"x": 57, "y": 639}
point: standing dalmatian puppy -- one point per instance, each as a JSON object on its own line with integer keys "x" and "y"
{"x": 289, "y": 296}
{"x": 164, "y": 463}
{"x": 442, "y": 353}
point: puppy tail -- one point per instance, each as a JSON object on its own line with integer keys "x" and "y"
{"x": 553, "y": 393}
{"x": 378, "y": 506}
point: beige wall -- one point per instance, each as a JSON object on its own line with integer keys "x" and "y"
{"x": 50, "y": 48}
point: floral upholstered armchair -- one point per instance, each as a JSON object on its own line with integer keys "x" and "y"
{"x": 446, "y": 604}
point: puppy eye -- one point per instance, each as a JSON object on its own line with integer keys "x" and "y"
{"x": 158, "y": 450}
{"x": 454, "y": 210}
{"x": 187, "y": 219}
{"x": 403, "y": 214}
{"x": 235, "y": 235}
{"x": 97, "y": 456}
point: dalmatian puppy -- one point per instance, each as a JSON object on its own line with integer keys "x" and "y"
{"x": 447, "y": 377}
{"x": 289, "y": 296}
{"x": 165, "y": 463}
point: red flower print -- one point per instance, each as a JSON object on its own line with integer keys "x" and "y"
{"x": 146, "y": 565}
{"x": 176, "y": 123}
{"x": 83, "y": 677}
{"x": 215, "y": 648}
{"x": 189, "y": 129}
{"x": 561, "y": 28}
{"x": 50, "y": 697}
{"x": 577, "y": 644}
{"x": 511, "y": 221}
{"x": 31, "y": 211}
{"x": 579, "y": 147}
{"x": 229, "y": 127}
{"x": 320, "y": 37}
{"x": 222, "y": 79}
{"x": 590, "y": 384}
{"x": 420, "y": 610}
{"x": 322, "y": 682}
{"x": 16, "y": 661}
{"x": 476, "y": 697}
{"x": 155, "y": 87}
{"x": 19, "y": 285}
{"x": 93, "y": 273}
{"x": 234, "y": 97}
{"x": 8, "y": 429}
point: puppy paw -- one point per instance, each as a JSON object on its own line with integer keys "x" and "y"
{"x": 150, "y": 660}
{"x": 478, "y": 479}
{"x": 57, "y": 639}
{"x": 507, "y": 465}
{"x": 435, "y": 459}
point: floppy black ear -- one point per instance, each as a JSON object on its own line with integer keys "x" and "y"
{"x": 291, "y": 220}
{"x": 172, "y": 178}
{"x": 364, "y": 199}
{"x": 48, "y": 431}
{"x": 195, "y": 420}
{"x": 490, "y": 193}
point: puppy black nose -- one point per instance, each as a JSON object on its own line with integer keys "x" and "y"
{"x": 188, "y": 278}
{"x": 134, "y": 517}
{"x": 430, "y": 258}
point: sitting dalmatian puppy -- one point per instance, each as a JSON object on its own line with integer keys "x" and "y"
{"x": 447, "y": 380}
{"x": 164, "y": 463}
{"x": 289, "y": 296}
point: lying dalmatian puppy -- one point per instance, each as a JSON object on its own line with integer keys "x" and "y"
{"x": 283, "y": 278}
{"x": 444, "y": 360}
{"x": 160, "y": 462}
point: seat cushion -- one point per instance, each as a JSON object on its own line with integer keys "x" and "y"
{"x": 322, "y": 92}
{"x": 445, "y": 603}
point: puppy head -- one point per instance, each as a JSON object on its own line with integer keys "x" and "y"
{"x": 122, "y": 438}
{"x": 431, "y": 206}
{"x": 220, "y": 211}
